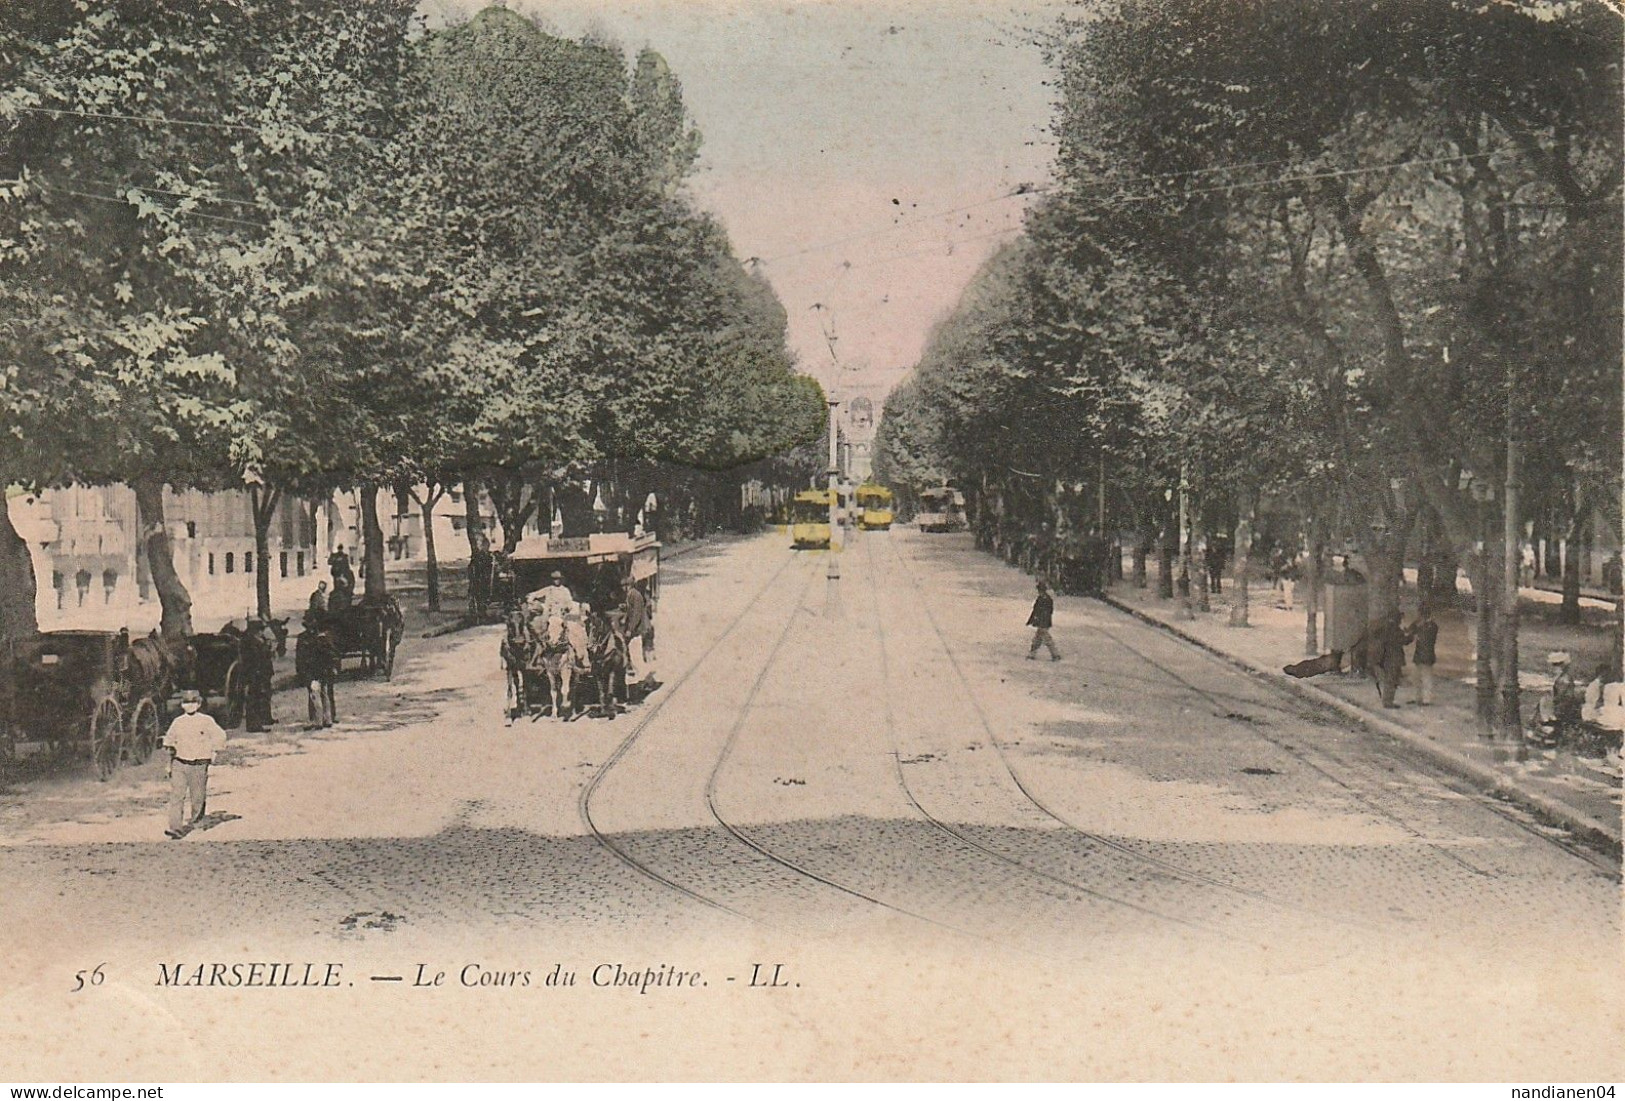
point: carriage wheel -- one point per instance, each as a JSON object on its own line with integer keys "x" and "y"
{"x": 144, "y": 731}
{"x": 106, "y": 737}
{"x": 236, "y": 703}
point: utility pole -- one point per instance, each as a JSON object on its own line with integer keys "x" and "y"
{"x": 1186, "y": 609}
{"x": 832, "y": 570}
{"x": 1512, "y": 560}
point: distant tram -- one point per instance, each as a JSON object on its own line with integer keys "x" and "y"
{"x": 874, "y": 507}
{"x": 942, "y": 509}
{"x": 809, "y": 520}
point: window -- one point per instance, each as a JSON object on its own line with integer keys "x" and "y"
{"x": 248, "y": 561}
{"x": 211, "y": 563}
{"x": 283, "y": 563}
{"x": 299, "y": 561}
{"x": 191, "y": 529}
{"x": 230, "y": 562}
{"x": 458, "y": 523}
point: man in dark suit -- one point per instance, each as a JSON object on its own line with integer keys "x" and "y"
{"x": 1041, "y": 619}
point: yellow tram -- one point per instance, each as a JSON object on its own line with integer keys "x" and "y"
{"x": 874, "y": 507}
{"x": 809, "y": 520}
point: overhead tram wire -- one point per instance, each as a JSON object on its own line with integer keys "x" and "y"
{"x": 174, "y": 213}
{"x": 1120, "y": 198}
{"x": 161, "y": 120}
{"x": 153, "y": 189}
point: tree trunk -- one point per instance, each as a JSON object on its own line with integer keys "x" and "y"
{"x": 1199, "y": 571}
{"x": 176, "y": 621}
{"x": 1386, "y": 562}
{"x": 514, "y": 500}
{"x": 1569, "y": 613}
{"x": 1165, "y": 564}
{"x": 1142, "y": 547}
{"x": 18, "y": 616}
{"x": 479, "y": 548}
{"x": 263, "y": 500}
{"x": 1244, "y": 544}
{"x": 1511, "y": 710}
{"x": 1484, "y": 585}
{"x": 373, "y": 586}
{"x": 1311, "y": 603}
{"x": 1187, "y": 567}
{"x": 431, "y": 559}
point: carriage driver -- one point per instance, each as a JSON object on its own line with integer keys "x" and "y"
{"x": 192, "y": 740}
{"x": 557, "y": 597}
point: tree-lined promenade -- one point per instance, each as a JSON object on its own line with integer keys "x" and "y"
{"x": 1356, "y": 264}
{"x": 297, "y": 245}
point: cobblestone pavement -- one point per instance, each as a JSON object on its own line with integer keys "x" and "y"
{"x": 865, "y": 765}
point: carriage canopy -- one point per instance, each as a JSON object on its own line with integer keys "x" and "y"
{"x": 592, "y": 565}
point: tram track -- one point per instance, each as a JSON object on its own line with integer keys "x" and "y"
{"x": 1168, "y": 867}
{"x": 1449, "y": 782}
{"x": 1071, "y": 885}
{"x": 776, "y": 857}
{"x": 584, "y": 802}
{"x": 731, "y": 829}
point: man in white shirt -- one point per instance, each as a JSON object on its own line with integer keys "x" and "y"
{"x": 193, "y": 740}
{"x": 557, "y": 597}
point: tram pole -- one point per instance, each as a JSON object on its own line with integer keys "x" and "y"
{"x": 832, "y": 569}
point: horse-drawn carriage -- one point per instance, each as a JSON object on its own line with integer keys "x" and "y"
{"x": 217, "y": 666}
{"x": 370, "y": 630}
{"x": 95, "y": 690}
{"x": 562, "y": 653}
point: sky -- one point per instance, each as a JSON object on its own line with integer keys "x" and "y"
{"x": 865, "y": 153}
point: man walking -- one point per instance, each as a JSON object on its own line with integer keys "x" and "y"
{"x": 192, "y": 740}
{"x": 1042, "y": 615}
{"x": 1425, "y": 633}
{"x": 1387, "y": 655}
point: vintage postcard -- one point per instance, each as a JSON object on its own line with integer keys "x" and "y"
{"x": 813, "y": 540}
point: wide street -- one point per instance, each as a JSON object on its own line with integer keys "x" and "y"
{"x": 853, "y": 767}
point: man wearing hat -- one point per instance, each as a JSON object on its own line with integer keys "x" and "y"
{"x": 557, "y": 597}
{"x": 1564, "y": 706}
{"x": 315, "y": 662}
{"x": 192, "y": 740}
{"x": 259, "y": 666}
{"x": 1040, "y": 620}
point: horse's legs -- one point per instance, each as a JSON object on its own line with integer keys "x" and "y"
{"x": 566, "y": 670}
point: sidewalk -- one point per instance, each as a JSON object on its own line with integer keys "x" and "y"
{"x": 1579, "y": 793}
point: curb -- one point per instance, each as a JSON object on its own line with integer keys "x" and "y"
{"x": 1543, "y": 805}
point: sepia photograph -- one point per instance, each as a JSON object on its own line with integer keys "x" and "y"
{"x": 811, "y": 541}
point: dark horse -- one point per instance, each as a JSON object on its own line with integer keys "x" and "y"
{"x": 516, "y": 659}
{"x": 607, "y": 659}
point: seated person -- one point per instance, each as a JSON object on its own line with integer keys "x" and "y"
{"x": 1604, "y": 704}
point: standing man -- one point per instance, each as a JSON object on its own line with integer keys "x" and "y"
{"x": 1042, "y": 616}
{"x": 259, "y": 665}
{"x": 338, "y": 564}
{"x": 1425, "y": 633}
{"x": 640, "y": 626}
{"x": 1387, "y": 656}
{"x": 318, "y": 605}
{"x": 313, "y": 663}
{"x": 192, "y": 740}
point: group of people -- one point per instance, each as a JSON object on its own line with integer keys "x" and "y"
{"x": 1571, "y": 705}
{"x": 1381, "y": 652}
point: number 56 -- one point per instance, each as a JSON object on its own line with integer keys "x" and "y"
{"x": 93, "y": 977}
